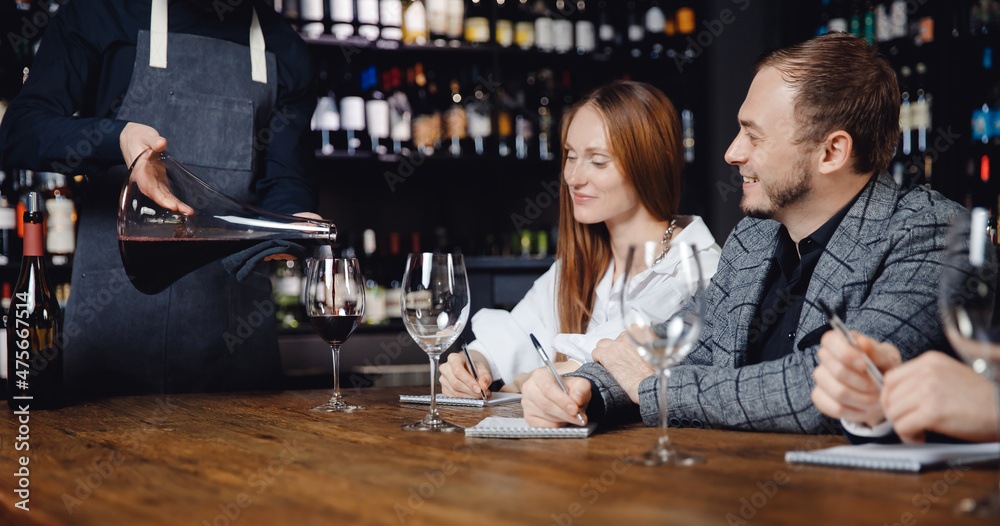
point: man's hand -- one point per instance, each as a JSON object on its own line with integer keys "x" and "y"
{"x": 546, "y": 405}
{"x": 621, "y": 359}
{"x": 457, "y": 380}
{"x": 140, "y": 144}
{"x": 934, "y": 392}
{"x": 843, "y": 389}
{"x": 289, "y": 257}
{"x": 137, "y": 138}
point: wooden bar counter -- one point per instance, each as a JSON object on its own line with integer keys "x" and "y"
{"x": 263, "y": 458}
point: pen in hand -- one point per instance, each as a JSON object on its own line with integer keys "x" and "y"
{"x": 839, "y": 326}
{"x": 552, "y": 368}
{"x": 472, "y": 367}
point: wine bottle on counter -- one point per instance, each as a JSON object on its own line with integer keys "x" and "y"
{"x": 34, "y": 327}
{"x": 60, "y": 239}
{"x": 545, "y": 85}
{"x": 8, "y": 227}
{"x": 634, "y": 29}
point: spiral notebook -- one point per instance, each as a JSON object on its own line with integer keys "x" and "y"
{"x": 503, "y": 427}
{"x": 899, "y": 457}
{"x": 495, "y": 399}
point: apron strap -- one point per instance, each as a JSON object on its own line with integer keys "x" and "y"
{"x": 258, "y": 62}
{"x": 158, "y": 34}
{"x": 158, "y": 42}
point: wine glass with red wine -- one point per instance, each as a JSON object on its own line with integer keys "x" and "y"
{"x": 335, "y": 302}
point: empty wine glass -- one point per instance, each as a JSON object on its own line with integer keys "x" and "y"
{"x": 966, "y": 306}
{"x": 335, "y": 302}
{"x": 663, "y": 340}
{"x": 435, "y": 308}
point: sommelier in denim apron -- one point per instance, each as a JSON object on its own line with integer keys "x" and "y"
{"x": 226, "y": 87}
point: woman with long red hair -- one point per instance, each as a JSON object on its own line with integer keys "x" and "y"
{"x": 621, "y": 181}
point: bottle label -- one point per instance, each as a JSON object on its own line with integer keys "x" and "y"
{"x": 477, "y": 29}
{"x": 391, "y": 13}
{"x": 505, "y": 33}
{"x": 342, "y": 11}
{"x": 455, "y": 17}
{"x": 562, "y": 31}
{"x": 685, "y": 21}
{"x": 437, "y": 16}
{"x": 33, "y": 239}
{"x": 585, "y": 37}
{"x": 543, "y": 33}
{"x": 377, "y": 112}
{"x": 8, "y": 219}
{"x": 368, "y": 11}
{"x": 920, "y": 115}
{"x": 607, "y": 33}
{"x": 905, "y": 118}
{"x": 312, "y": 10}
{"x": 352, "y": 113}
{"x": 524, "y": 34}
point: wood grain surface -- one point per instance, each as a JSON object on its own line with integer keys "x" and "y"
{"x": 263, "y": 458}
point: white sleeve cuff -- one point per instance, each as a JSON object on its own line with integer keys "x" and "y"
{"x": 862, "y": 430}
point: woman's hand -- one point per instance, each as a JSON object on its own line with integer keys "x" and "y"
{"x": 457, "y": 380}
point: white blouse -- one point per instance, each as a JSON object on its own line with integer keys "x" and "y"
{"x": 502, "y": 337}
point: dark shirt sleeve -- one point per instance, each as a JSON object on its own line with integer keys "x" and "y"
{"x": 287, "y": 185}
{"x": 39, "y": 130}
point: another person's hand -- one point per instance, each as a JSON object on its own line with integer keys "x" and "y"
{"x": 139, "y": 143}
{"x": 289, "y": 257}
{"x": 934, "y": 392}
{"x": 546, "y": 405}
{"x": 843, "y": 389}
{"x": 457, "y": 380}
{"x": 518, "y": 384}
{"x": 621, "y": 359}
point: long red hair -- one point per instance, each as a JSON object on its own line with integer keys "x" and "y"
{"x": 644, "y": 136}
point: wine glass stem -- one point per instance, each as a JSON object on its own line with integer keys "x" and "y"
{"x": 435, "y": 359}
{"x": 662, "y": 394}
{"x": 335, "y": 348}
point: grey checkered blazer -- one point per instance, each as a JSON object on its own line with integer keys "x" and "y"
{"x": 879, "y": 272}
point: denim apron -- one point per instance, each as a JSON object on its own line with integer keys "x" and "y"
{"x": 209, "y": 98}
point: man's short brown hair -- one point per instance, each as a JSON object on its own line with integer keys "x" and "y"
{"x": 842, "y": 83}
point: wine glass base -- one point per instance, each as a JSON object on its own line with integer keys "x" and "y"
{"x": 338, "y": 406}
{"x": 988, "y": 506}
{"x": 665, "y": 457}
{"x": 434, "y": 426}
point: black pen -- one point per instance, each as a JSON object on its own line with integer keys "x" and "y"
{"x": 838, "y": 325}
{"x": 472, "y": 367}
{"x": 552, "y": 368}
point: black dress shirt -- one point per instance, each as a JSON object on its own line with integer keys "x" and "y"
{"x": 84, "y": 65}
{"x": 773, "y": 329}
